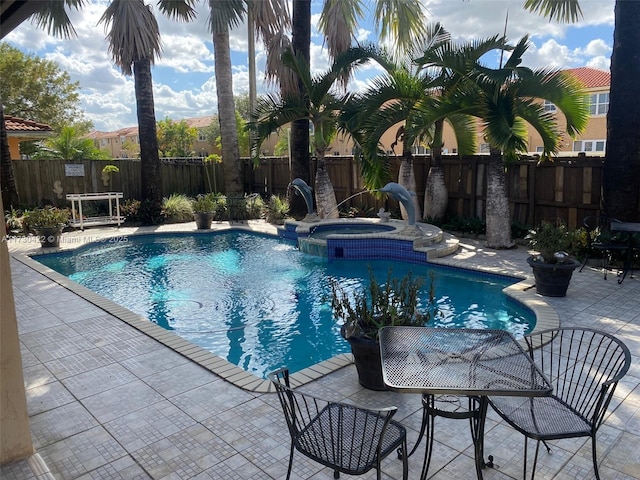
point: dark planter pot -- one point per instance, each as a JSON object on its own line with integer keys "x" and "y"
{"x": 49, "y": 237}
{"x": 552, "y": 279}
{"x": 366, "y": 356}
{"x": 203, "y": 220}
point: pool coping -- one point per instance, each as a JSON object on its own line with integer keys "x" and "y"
{"x": 522, "y": 292}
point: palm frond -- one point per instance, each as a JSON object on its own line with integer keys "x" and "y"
{"x": 52, "y": 17}
{"x": 179, "y": 10}
{"x": 225, "y": 14}
{"x": 401, "y": 21}
{"x": 566, "y": 11}
{"x": 133, "y": 33}
{"x": 338, "y": 22}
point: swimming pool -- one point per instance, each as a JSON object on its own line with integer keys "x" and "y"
{"x": 257, "y": 301}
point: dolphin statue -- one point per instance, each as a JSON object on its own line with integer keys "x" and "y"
{"x": 402, "y": 195}
{"x": 304, "y": 190}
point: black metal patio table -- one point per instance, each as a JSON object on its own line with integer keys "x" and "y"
{"x": 629, "y": 228}
{"x": 457, "y": 361}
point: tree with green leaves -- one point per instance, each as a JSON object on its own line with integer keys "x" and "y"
{"x": 37, "y": 89}
{"x": 320, "y": 106}
{"x": 134, "y": 43}
{"x": 399, "y": 23}
{"x": 508, "y": 99}
{"x": 70, "y": 144}
{"x": 621, "y": 177}
{"x": 176, "y": 139}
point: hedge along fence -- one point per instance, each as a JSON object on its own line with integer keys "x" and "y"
{"x": 568, "y": 188}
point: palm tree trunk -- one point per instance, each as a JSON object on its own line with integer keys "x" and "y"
{"x": 300, "y": 157}
{"x": 151, "y": 180}
{"x": 7, "y": 180}
{"x": 497, "y": 204}
{"x": 621, "y": 195}
{"x": 407, "y": 178}
{"x": 326, "y": 202}
{"x": 436, "y": 195}
{"x": 226, "y": 115}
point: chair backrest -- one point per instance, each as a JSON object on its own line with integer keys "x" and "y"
{"x": 583, "y": 365}
{"x": 335, "y": 434}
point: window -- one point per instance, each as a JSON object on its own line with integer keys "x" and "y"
{"x": 539, "y": 149}
{"x": 599, "y": 103}
{"x": 589, "y": 145}
{"x": 549, "y": 107}
{"x": 201, "y": 136}
{"x": 485, "y": 148}
{"x": 122, "y": 139}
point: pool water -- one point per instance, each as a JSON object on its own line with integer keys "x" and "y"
{"x": 257, "y": 301}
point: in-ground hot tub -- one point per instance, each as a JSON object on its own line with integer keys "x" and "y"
{"x": 368, "y": 238}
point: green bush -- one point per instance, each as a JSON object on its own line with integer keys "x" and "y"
{"x": 177, "y": 208}
{"x": 277, "y": 209}
{"x": 203, "y": 204}
{"x": 48, "y": 217}
{"x": 255, "y": 207}
{"x": 130, "y": 209}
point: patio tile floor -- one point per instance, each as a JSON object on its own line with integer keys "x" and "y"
{"x": 108, "y": 402}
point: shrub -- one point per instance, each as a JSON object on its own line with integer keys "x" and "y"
{"x": 277, "y": 209}
{"x": 130, "y": 209}
{"x": 255, "y": 207}
{"x": 203, "y": 204}
{"x": 177, "y": 208}
{"x": 48, "y": 217}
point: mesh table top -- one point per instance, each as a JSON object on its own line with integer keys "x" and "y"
{"x": 458, "y": 361}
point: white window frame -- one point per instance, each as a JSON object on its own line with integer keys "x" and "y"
{"x": 598, "y": 104}
{"x": 549, "y": 106}
{"x": 590, "y": 145}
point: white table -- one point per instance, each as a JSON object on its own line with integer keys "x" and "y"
{"x": 80, "y": 221}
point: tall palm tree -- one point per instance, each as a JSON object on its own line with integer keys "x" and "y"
{"x": 621, "y": 195}
{"x": 506, "y": 99}
{"x": 134, "y": 43}
{"x": 319, "y": 106}
{"x": 226, "y": 14}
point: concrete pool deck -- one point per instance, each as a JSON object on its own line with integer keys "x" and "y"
{"x": 107, "y": 401}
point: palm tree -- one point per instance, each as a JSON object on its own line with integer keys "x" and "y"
{"x": 225, "y": 14}
{"x": 400, "y": 22}
{"x": 506, "y": 100}
{"x": 409, "y": 99}
{"x": 319, "y": 106}
{"x": 134, "y": 42}
{"x": 621, "y": 197}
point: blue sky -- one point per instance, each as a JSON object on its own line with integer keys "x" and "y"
{"x": 184, "y": 83}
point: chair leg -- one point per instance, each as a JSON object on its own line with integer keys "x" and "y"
{"x": 405, "y": 460}
{"x": 336, "y": 474}
{"x": 535, "y": 460}
{"x": 290, "y": 462}
{"x": 595, "y": 457}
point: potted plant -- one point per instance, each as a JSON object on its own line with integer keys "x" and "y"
{"x": 365, "y": 312}
{"x": 203, "y": 211}
{"x": 47, "y": 223}
{"x": 553, "y": 265}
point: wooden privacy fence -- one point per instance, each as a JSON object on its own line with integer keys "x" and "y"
{"x": 568, "y": 188}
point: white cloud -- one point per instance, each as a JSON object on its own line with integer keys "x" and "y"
{"x": 184, "y": 83}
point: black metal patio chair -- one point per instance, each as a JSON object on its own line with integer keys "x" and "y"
{"x": 584, "y": 367}
{"x": 601, "y": 242}
{"x": 344, "y": 437}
